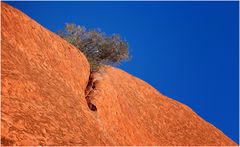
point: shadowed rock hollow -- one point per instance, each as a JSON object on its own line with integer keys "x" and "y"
{"x": 44, "y": 82}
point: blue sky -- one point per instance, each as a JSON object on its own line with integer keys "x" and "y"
{"x": 186, "y": 50}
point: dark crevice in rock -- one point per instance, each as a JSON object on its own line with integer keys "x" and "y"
{"x": 89, "y": 92}
{"x": 7, "y": 142}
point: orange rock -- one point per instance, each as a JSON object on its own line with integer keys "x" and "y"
{"x": 43, "y": 97}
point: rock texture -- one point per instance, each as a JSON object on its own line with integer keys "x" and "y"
{"x": 43, "y": 97}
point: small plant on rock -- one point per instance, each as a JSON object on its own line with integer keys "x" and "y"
{"x": 96, "y": 45}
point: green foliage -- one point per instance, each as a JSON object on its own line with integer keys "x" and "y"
{"x": 96, "y": 45}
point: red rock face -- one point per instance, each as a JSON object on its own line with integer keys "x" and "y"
{"x": 43, "y": 97}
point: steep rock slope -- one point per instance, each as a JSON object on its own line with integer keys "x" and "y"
{"x": 43, "y": 84}
{"x": 43, "y": 97}
{"x": 150, "y": 118}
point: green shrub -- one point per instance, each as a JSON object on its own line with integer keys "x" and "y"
{"x": 96, "y": 45}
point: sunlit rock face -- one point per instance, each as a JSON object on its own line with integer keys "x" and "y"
{"x": 45, "y": 97}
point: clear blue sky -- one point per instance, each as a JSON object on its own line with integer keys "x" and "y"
{"x": 186, "y": 50}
